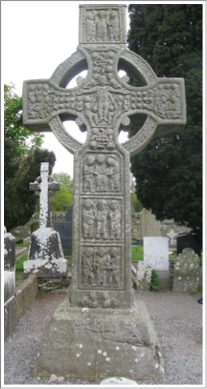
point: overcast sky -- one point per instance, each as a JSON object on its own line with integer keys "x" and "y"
{"x": 36, "y": 37}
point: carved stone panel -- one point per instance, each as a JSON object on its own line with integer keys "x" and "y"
{"x": 102, "y": 23}
{"x": 101, "y": 219}
{"x": 101, "y": 173}
{"x": 101, "y": 267}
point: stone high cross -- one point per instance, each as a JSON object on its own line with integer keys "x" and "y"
{"x": 45, "y": 185}
{"x": 101, "y": 104}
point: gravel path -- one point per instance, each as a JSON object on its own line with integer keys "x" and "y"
{"x": 177, "y": 319}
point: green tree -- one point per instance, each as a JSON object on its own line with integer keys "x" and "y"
{"x": 63, "y": 199}
{"x": 19, "y": 201}
{"x": 65, "y": 180}
{"x": 169, "y": 171}
{"x": 18, "y": 140}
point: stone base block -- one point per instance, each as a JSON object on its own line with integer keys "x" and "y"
{"x": 46, "y": 258}
{"x": 46, "y": 269}
{"x": 93, "y": 344}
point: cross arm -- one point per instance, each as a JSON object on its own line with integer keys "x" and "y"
{"x": 34, "y": 186}
{"x": 54, "y": 186}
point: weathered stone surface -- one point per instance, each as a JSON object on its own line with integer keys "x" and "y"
{"x": 120, "y": 341}
{"x": 46, "y": 257}
{"x": 9, "y": 284}
{"x": 102, "y": 104}
{"x": 144, "y": 273}
{"x": 26, "y": 292}
{"x": 9, "y": 316}
{"x": 45, "y": 186}
{"x": 9, "y": 252}
{"x": 186, "y": 272}
{"x": 94, "y": 343}
{"x": 156, "y": 253}
{"x": 149, "y": 225}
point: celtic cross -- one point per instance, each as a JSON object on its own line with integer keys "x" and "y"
{"x": 101, "y": 104}
{"x": 45, "y": 186}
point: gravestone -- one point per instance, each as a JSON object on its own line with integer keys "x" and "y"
{"x": 144, "y": 274}
{"x": 64, "y": 228}
{"x": 156, "y": 253}
{"x": 9, "y": 284}
{"x": 102, "y": 329}
{"x": 45, "y": 258}
{"x": 186, "y": 272}
{"x": 150, "y": 226}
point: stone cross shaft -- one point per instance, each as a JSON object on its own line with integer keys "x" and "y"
{"x": 43, "y": 185}
{"x": 102, "y": 104}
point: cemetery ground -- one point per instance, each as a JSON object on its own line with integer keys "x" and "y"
{"x": 177, "y": 319}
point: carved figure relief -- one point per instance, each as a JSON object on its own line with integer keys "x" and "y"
{"x": 88, "y": 267}
{"x": 114, "y": 221}
{"x": 101, "y": 220}
{"x": 93, "y": 300}
{"x": 88, "y": 174}
{"x": 101, "y": 173}
{"x": 102, "y": 138}
{"x": 88, "y": 219}
{"x": 102, "y": 25}
{"x": 101, "y": 267}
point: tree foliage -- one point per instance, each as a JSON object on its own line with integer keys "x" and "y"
{"x": 63, "y": 199}
{"x": 65, "y": 180}
{"x": 169, "y": 171}
{"x": 22, "y": 159}
{"x": 18, "y": 140}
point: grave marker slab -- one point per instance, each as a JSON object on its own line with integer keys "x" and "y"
{"x": 156, "y": 253}
{"x": 101, "y": 273}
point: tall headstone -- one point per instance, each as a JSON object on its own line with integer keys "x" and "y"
{"x": 149, "y": 225}
{"x": 46, "y": 258}
{"x": 101, "y": 272}
{"x": 156, "y": 252}
{"x": 156, "y": 255}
